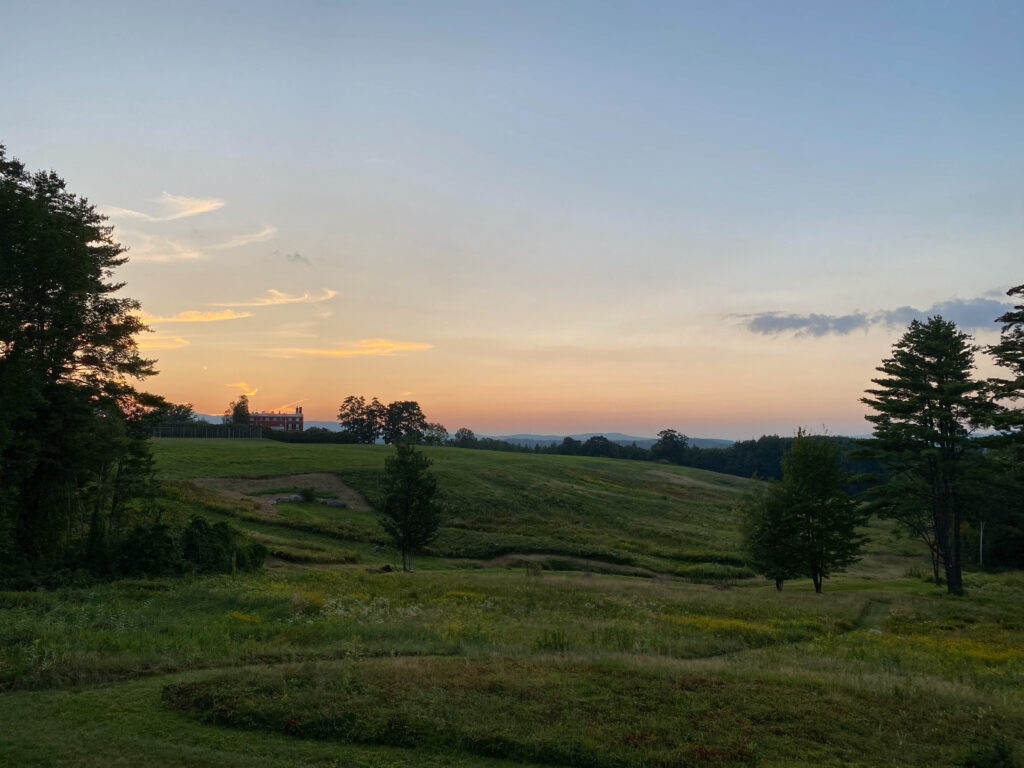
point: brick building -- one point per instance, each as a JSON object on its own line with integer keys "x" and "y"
{"x": 289, "y": 422}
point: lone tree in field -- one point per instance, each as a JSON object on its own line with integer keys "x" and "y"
{"x": 805, "y": 524}
{"x": 926, "y": 403}
{"x": 411, "y": 515}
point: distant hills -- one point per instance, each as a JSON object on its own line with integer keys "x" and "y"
{"x": 530, "y": 440}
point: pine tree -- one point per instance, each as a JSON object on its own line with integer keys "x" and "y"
{"x": 926, "y": 404}
{"x": 67, "y": 355}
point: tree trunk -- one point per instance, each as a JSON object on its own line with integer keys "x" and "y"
{"x": 816, "y": 578}
{"x": 954, "y": 571}
{"x": 778, "y": 585}
{"x": 947, "y": 536}
{"x": 405, "y": 566}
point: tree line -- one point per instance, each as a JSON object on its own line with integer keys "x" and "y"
{"x": 76, "y": 471}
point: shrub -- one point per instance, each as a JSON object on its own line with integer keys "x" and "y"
{"x": 149, "y": 549}
{"x": 218, "y": 548}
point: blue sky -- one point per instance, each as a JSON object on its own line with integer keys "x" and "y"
{"x": 559, "y": 216}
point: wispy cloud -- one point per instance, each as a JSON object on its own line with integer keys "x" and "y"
{"x": 148, "y": 248}
{"x": 252, "y": 237}
{"x": 296, "y": 330}
{"x": 162, "y": 342}
{"x": 292, "y": 404}
{"x": 174, "y": 207}
{"x": 969, "y": 314}
{"x": 195, "y": 316}
{"x": 363, "y": 347}
{"x": 247, "y": 390}
{"x": 279, "y": 297}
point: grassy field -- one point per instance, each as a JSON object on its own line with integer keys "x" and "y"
{"x": 537, "y": 645}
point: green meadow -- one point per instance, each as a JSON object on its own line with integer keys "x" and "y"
{"x": 572, "y": 612}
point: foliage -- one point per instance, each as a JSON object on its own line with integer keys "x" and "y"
{"x": 770, "y": 535}
{"x": 434, "y": 434}
{"x": 174, "y": 414}
{"x": 806, "y": 523}
{"x": 403, "y": 422}
{"x": 464, "y": 438}
{"x": 72, "y": 429}
{"x": 1009, "y": 354}
{"x": 218, "y": 548}
{"x": 671, "y": 446}
{"x": 925, "y": 406}
{"x": 410, "y": 514}
{"x": 363, "y": 420}
{"x": 237, "y": 413}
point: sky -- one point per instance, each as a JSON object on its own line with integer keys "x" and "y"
{"x": 548, "y": 217}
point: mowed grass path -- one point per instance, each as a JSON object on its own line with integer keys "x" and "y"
{"x": 321, "y": 663}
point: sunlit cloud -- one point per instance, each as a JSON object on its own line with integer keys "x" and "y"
{"x": 162, "y": 342}
{"x": 195, "y": 316}
{"x": 363, "y": 347}
{"x": 970, "y": 314}
{"x": 253, "y": 237}
{"x": 287, "y": 406}
{"x": 174, "y": 207}
{"x": 247, "y": 390}
{"x": 279, "y": 297}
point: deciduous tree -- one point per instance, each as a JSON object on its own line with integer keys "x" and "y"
{"x": 411, "y": 514}
{"x": 364, "y": 420}
{"x": 403, "y": 422}
{"x": 806, "y": 523}
{"x": 435, "y": 434}
{"x": 464, "y": 438}
{"x": 237, "y": 413}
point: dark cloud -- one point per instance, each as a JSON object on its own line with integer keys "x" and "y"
{"x": 296, "y": 258}
{"x": 806, "y": 325}
{"x": 969, "y": 314}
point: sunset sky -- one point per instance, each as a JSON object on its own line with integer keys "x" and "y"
{"x": 546, "y": 216}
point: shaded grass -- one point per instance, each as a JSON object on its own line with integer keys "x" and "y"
{"x": 610, "y": 714}
{"x": 133, "y": 628}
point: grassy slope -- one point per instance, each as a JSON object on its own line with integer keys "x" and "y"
{"x": 325, "y": 664}
{"x": 668, "y": 519}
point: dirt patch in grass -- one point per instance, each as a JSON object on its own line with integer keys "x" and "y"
{"x": 241, "y": 488}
